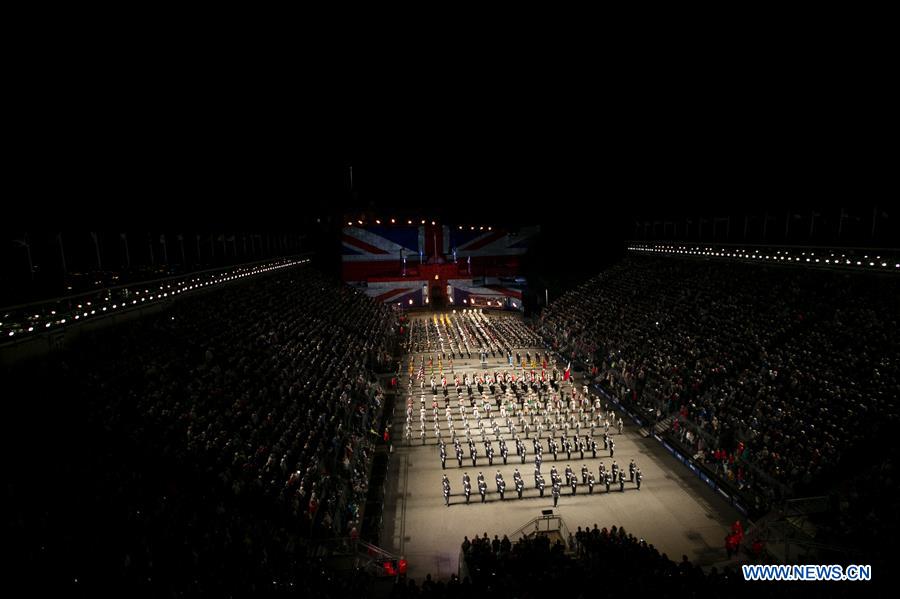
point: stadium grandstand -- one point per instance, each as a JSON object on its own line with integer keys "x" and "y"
{"x": 504, "y": 350}
{"x": 505, "y": 332}
{"x": 268, "y": 419}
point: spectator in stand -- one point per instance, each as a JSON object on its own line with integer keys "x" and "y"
{"x": 766, "y": 364}
{"x": 223, "y": 434}
{"x": 610, "y": 559}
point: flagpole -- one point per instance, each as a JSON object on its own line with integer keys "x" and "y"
{"x": 24, "y": 243}
{"x": 62, "y": 253}
{"x": 97, "y": 249}
{"x": 127, "y": 253}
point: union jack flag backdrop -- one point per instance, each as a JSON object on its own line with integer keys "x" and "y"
{"x": 417, "y": 265}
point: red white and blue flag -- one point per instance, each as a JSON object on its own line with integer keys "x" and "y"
{"x": 408, "y": 264}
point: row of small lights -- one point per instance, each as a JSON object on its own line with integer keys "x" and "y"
{"x": 670, "y": 249}
{"x": 489, "y": 303}
{"x": 195, "y": 283}
{"x": 409, "y": 221}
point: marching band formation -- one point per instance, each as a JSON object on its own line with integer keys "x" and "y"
{"x": 528, "y": 398}
{"x": 460, "y": 335}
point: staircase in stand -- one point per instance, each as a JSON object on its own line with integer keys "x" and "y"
{"x": 659, "y": 428}
{"x": 547, "y": 525}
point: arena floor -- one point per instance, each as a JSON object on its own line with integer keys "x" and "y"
{"x": 673, "y": 510}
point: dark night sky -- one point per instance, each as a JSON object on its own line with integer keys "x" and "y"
{"x": 580, "y": 148}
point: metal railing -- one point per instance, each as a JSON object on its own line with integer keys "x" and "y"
{"x": 356, "y": 554}
{"x": 542, "y": 524}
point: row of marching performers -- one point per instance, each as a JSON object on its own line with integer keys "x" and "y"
{"x": 605, "y": 477}
{"x": 533, "y": 415}
{"x": 543, "y": 362}
{"x": 580, "y": 445}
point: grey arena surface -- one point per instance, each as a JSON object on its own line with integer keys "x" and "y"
{"x": 673, "y": 510}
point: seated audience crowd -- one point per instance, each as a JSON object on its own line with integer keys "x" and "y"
{"x": 598, "y": 562}
{"x": 770, "y": 374}
{"x": 197, "y": 449}
{"x": 606, "y": 560}
{"x": 206, "y": 447}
